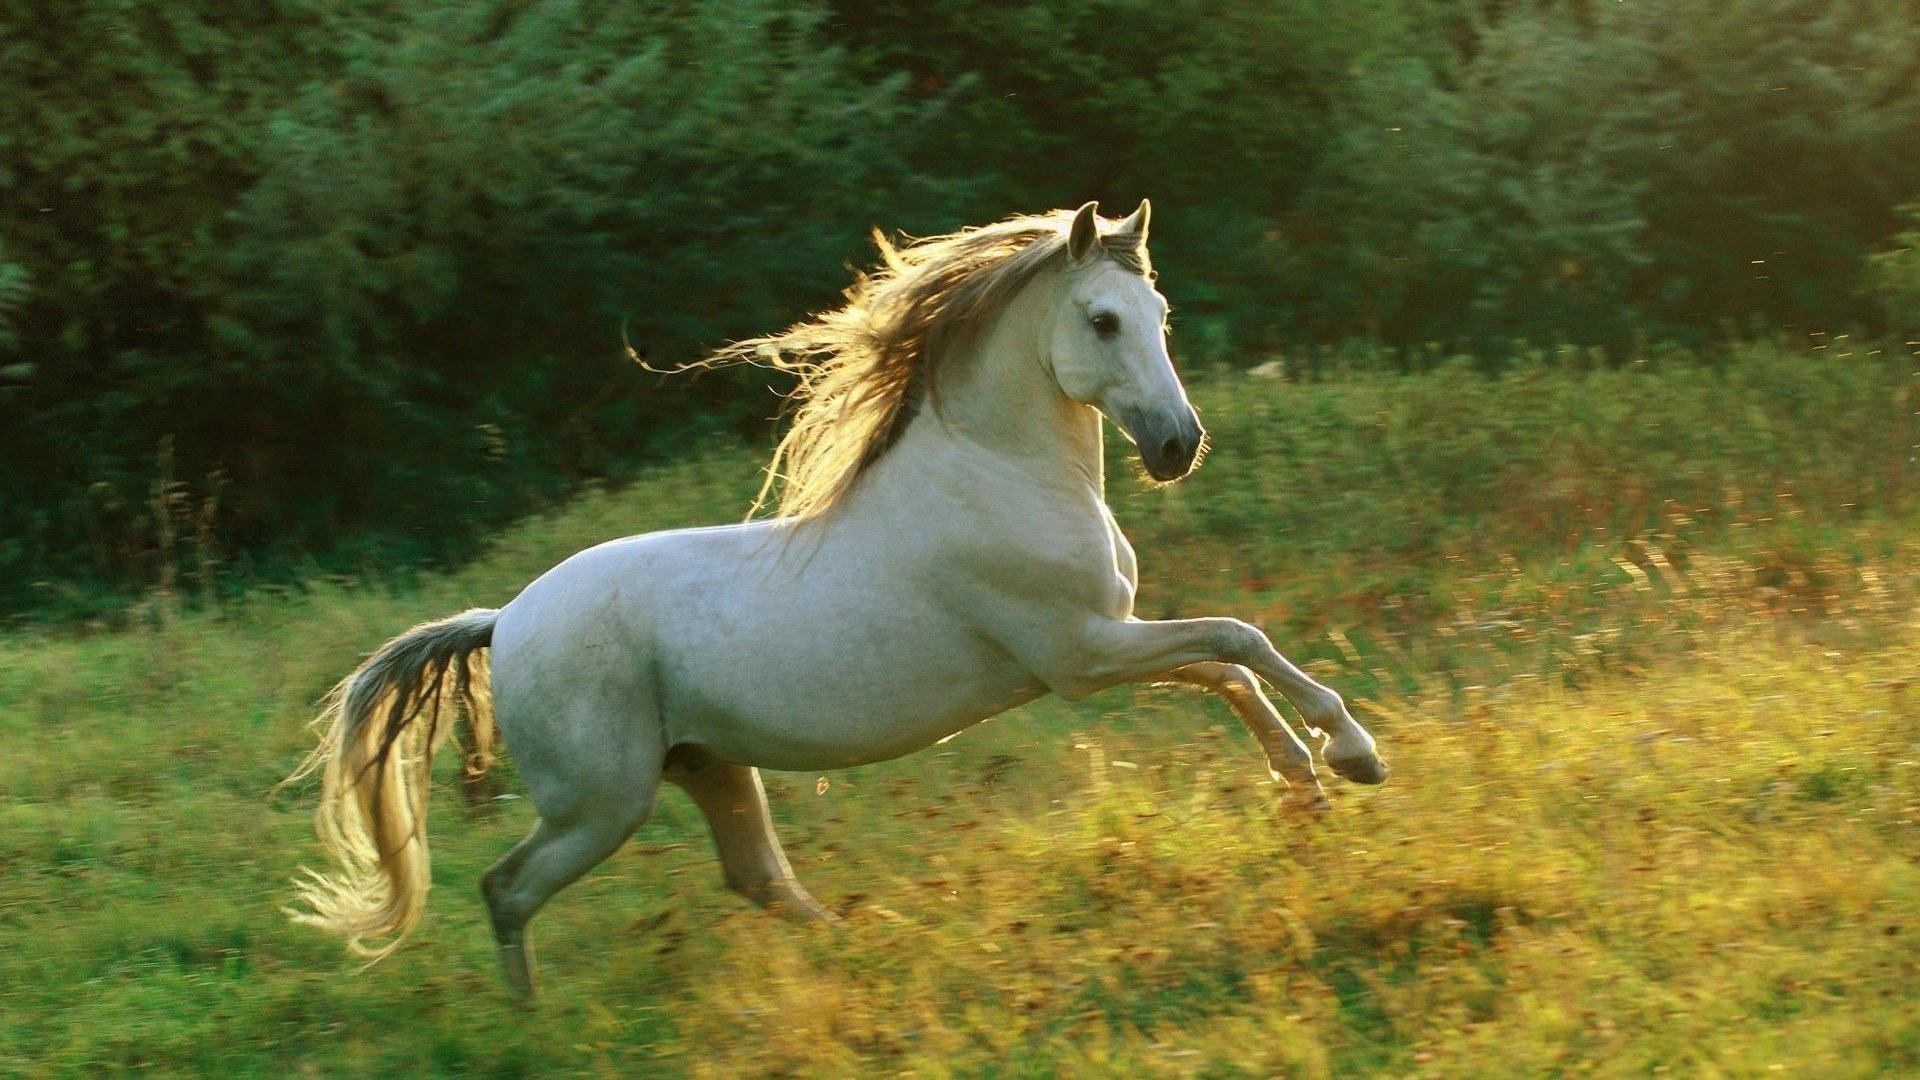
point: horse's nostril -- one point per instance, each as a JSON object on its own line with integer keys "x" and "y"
{"x": 1173, "y": 450}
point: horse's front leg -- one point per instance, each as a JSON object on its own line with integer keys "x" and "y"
{"x": 1107, "y": 652}
{"x": 1287, "y": 757}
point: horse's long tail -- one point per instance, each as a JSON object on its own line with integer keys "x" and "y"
{"x": 383, "y": 723}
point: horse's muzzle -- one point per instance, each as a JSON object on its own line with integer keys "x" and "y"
{"x": 1168, "y": 445}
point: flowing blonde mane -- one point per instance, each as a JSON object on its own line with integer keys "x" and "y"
{"x": 866, "y": 366}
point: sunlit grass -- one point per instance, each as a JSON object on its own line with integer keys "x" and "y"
{"x": 1712, "y": 863}
{"x": 1654, "y": 808}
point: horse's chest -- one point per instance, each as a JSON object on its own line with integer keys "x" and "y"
{"x": 1123, "y": 559}
{"x": 1098, "y": 574}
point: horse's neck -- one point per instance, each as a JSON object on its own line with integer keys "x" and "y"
{"x": 1002, "y": 399}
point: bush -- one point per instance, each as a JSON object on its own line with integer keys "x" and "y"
{"x": 352, "y": 279}
{"x": 1893, "y": 278}
{"x": 394, "y": 297}
{"x": 1622, "y": 171}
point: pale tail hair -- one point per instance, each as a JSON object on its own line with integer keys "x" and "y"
{"x": 382, "y": 725}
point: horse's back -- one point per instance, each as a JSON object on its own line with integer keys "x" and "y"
{"x": 606, "y": 601}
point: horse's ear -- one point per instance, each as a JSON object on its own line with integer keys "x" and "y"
{"x": 1083, "y": 236}
{"x": 1135, "y": 224}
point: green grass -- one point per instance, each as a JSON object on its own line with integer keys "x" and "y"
{"x": 1638, "y": 644}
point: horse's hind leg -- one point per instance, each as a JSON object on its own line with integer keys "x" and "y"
{"x": 1287, "y": 757}
{"x": 735, "y": 806}
{"x": 589, "y": 825}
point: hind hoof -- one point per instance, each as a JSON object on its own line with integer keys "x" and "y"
{"x": 1368, "y": 769}
{"x": 789, "y": 901}
{"x": 1306, "y": 802}
{"x": 516, "y": 967}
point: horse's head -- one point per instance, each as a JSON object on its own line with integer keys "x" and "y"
{"x": 1108, "y": 342}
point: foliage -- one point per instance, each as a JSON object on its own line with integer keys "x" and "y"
{"x": 1623, "y": 170}
{"x": 407, "y": 291}
{"x": 15, "y": 287}
{"x": 1217, "y": 110}
{"x": 1654, "y": 805}
{"x": 1893, "y": 277}
{"x": 364, "y": 270}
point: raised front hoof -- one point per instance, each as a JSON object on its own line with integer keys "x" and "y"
{"x": 1365, "y": 769}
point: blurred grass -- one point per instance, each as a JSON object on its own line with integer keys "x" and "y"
{"x": 1638, "y": 643}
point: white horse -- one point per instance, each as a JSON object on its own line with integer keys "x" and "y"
{"x": 943, "y": 553}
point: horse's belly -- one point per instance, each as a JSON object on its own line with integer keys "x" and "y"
{"x": 775, "y": 740}
{"x": 833, "y": 692}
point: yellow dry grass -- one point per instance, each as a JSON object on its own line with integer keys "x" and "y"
{"x": 1654, "y": 811}
{"x": 1709, "y": 867}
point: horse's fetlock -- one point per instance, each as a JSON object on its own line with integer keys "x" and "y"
{"x": 752, "y": 890}
{"x": 508, "y": 926}
{"x": 1328, "y": 711}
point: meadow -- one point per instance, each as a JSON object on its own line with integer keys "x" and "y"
{"x": 1638, "y": 640}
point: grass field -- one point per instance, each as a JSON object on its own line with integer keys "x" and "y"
{"x": 1638, "y": 643}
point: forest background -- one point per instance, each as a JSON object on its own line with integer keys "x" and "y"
{"x": 297, "y": 288}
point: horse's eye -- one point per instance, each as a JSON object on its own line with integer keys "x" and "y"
{"x": 1106, "y": 324}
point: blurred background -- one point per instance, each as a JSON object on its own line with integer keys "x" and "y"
{"x": 282, "y": 282}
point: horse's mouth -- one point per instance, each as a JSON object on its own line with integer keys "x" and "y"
{"x": 1166, "y": 469}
